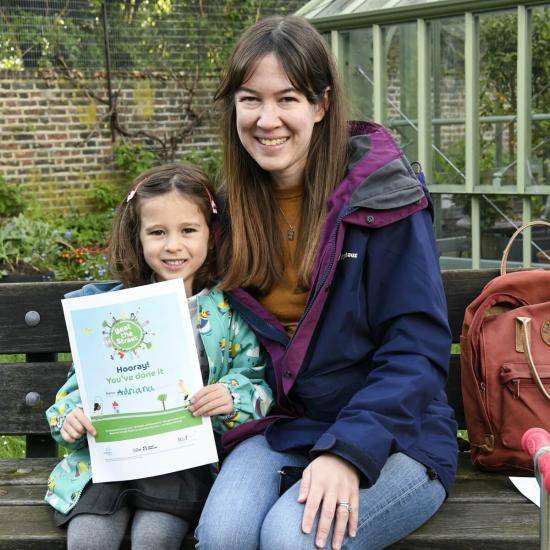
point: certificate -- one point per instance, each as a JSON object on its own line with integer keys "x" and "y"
{"x": 136, "y": 365}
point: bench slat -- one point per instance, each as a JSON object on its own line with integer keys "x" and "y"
{"x": 26, "y": 471}
{"x": 26, "y": 527}
{"x": 33, "y": 528}
{"x": 16, "y": 381}
{"x": 22, "y": 495}
{"x": 461, "y": 525}
{"x": 50, "y": 334}
{"x": 498, "y": 491}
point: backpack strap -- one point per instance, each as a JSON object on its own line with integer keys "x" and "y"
{"x": 513, "y": 238}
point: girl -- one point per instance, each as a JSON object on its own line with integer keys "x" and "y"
{"x": 162, "y": 230}
{"x": 331, "y": 257}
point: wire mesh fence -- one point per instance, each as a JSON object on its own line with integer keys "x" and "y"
{"x": 145, "y": 35}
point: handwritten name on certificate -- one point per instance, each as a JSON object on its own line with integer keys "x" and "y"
{"x": 136, "y": 365}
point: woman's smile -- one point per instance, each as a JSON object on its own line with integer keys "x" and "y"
{"x": 272, "y": 142}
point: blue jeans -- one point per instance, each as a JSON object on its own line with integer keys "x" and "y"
{"x": 245, "y": 512}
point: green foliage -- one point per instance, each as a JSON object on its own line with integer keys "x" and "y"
{"x": 106, "y": 196}
{"x": 210, "y": 160}
{"x": 11, "y": 199}
{"x": 91, "y": 228}
{"x": 72, "y": 247}
{"x": 498, "y": 38}
{"x": 40, "y": 37}
{"x": 12, "y": 446}
{"x": 133, "y": 159}
{"x": 83, "y": 255}
{"x": 28, "y": 242}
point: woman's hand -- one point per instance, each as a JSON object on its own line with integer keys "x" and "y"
{"x": 76, "y": 424}
{"x": 212, "y": 400}
{"x": 326, "y": 482}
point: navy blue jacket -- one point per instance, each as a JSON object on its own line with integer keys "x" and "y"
{"x": 364, "y": 374}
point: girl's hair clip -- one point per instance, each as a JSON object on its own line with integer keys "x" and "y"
{"x": 131, "y": 195}
{"x": 133, "y": 192}
{"x": 213, "y": 206}
{"x": 212, "y": 203}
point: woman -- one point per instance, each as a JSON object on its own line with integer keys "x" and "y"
{"x": 330, "y": 257}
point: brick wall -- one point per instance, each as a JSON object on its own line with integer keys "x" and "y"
{"x": 55, "y": 141}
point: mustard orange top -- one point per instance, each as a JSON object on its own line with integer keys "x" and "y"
{"x": 282, "y": 299}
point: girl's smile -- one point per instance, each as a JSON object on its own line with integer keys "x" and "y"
{"x": 275, "y": 121}
{"x": 174, "y": 237}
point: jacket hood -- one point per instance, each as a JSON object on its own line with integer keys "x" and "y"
{"x": 378, "y": 178}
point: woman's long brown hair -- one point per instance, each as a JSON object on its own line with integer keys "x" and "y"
{"x": 253, "y": 257}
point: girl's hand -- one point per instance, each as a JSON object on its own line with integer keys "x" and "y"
{"x": 326, "y": 482}
{"x": 212, "y": 400}
{"x": 76, "y": 425}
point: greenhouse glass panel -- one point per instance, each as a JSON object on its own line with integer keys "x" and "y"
{"x": 496, "y": 231}
{"x": 400, "y": 46}
{"x": 448, "y": 106}
{"x": 498, "y": 99}
{"x": 358, "y": 72}
{"x": 539, "y": 173}
{"x": 453, "y": 230}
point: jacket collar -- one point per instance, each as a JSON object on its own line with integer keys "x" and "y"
{"x": 379, "y": 176}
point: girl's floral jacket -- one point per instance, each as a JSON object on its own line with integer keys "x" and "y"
{"x": 234, "y": 358}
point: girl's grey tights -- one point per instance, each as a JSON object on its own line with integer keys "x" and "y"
{"x": 149, "y": 530}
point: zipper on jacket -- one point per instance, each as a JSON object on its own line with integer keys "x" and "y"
{"x": 322, "y": 278}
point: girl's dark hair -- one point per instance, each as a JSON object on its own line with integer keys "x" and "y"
{"x": 125, "y": 251}
{"x": 254, "y": 256}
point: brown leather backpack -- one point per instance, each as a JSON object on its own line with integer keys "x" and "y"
{"x": 505, "y": 365}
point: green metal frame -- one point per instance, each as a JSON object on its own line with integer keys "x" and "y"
{"x": 425, "y": 16}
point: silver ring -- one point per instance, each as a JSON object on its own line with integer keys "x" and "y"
{"x": 346, "y": 505}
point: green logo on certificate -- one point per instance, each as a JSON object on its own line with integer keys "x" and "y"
{"x": 126, "y": 335}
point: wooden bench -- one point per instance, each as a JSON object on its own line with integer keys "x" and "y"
{"x": 483, "y": 511}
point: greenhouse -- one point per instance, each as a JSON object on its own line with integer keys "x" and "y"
{"x": 465, "y": 88}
